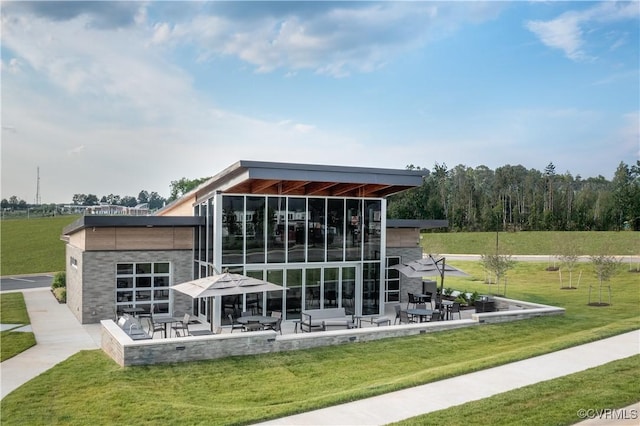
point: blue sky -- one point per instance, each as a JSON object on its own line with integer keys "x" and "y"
{"x": 117, "y": 97}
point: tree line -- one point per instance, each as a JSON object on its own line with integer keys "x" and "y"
{"x": 516, "y": 198}
{"x": 155, "y": 201}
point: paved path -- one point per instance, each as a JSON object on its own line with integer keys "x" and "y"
{"x": 59, "y": 335}
{"x": 396, "y": 406}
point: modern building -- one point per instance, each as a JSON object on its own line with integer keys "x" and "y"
{"x": 321, "y": 232}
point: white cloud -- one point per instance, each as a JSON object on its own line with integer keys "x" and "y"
{"x": 567, "y": 32}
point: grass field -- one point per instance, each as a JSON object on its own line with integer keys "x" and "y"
{"x": 541, "y": 243}
{"x": 32, "y": 245}
{"x": 89, "y": 388}
{"x": 562, "y": 401}
{"x": 14, "y": 311}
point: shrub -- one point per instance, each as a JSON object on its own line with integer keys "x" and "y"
{"x": 60, "y": 294}
{"x": 59, "y": 280}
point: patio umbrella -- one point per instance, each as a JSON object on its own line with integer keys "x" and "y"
{"x": 430, "y": 266}
{"x": 225, "y": 284}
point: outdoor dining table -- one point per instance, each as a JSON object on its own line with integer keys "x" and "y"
{"x": 166, "y": 321}
{"x": 422, "y": 313}
{"x": 446, "y": 306}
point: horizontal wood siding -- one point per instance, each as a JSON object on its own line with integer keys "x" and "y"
{"x": 138, "y": 239}
{"x": 403, "y": 237}
{"x": 182, "y": 207}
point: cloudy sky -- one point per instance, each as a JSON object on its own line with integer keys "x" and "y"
{"x": 117, "y": 97}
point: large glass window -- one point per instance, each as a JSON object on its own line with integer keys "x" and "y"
{"x": 274, "y": 298}
{"x": 294, "y": 293}
{"x": 210, "y": 230}
{"x": 297, "y": 222}
{"x": 370, "y": 289}
{"x": 349, "y": 289}
{"x": 331, "y": 291}
{"x": 312, "y": 286}
{"x": 371, "y": 229}
{"x": 278, "y": 234}
{"x": 392, "y": 280}
{"x": 317, "y": 227}
{"x": 354, "y": 230}
{"x": 232, "y": 229}
{"x": 143, "y": 285}
{"x": 254, "y": 226}
{"x": 335, "y": 229}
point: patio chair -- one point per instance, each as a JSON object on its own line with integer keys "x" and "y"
{"x": 435, "y": 316}
{"x": 234, "y": 324}
{"x": 253, "y": 326}
{"x": 405, "y": 318}
{"x": 412, "y": 300}
{"x": 455, "y": 308}
{"x": 246, "y": 313}
{"x": 397, "y": 308}
{"x": 278, "y": 324}
{"x": 428, "y": 298}
{"x": 154, "y": 327}
{"x": 182, "y": 326}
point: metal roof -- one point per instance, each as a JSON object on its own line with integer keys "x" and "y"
{"x": 258, "y": 177}
{"x": 122, "y": 221}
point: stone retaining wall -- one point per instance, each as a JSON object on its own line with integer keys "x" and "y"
{"x": 127, "y": 352}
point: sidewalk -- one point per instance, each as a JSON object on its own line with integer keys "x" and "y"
{"x": 400, "y": 405}
{"x": 59, "y": 335}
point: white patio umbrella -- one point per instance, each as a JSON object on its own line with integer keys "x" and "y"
{"x": 225, "y": 284}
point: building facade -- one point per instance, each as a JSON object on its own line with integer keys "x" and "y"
{"x": 320, "y": 232}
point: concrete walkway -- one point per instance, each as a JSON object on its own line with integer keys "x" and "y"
{"x": 400, "y": 405}
{"x": 59, "y": 335}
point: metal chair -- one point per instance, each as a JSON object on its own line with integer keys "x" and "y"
{"x": 154, "y": 327}
{"x": 234, "y": 324}
{"x": 182, "y": 327}
{"x": 455, "y": 308}
{"x": 277, "y": 326}
{"x": 405, "y": 318}
{"x": 412, "y": 300}
{"x": 435, "y": 316}
{"x": 253, "y": 326}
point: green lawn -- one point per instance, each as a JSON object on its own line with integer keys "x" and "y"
{"x": 14, "y": 311}
{"x": 89, "y": 388}
{"x": 32, "y": 245}
{"x": 561, "y": 401}
{"x": 534, "y": 242}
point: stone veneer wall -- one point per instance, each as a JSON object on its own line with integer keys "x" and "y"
{"x": 96, "y": 300}
{"x": 127, "y": 352}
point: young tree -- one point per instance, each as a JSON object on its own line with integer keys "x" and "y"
{"x": 569, "y": 258}
{"x": 498, "y": 264}
{"x": 605, "y": 267}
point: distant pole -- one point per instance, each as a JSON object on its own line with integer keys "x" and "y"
{"x": 38, "y": 187}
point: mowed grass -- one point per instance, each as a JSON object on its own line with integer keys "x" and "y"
{"x": 535, "y": 242}
{"x": 89, "y": 388}
{"x": 32, "y": 245}
{"x": 14, "y": 311}
{"x": 563, "y": 401}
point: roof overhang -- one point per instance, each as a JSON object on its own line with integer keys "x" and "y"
{"x": 256, "y": 177}
{"x": 417, "y": 223}
{"x": 133, "y": 222}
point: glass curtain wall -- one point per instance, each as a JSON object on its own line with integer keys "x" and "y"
{"x": 299, "y": 242}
